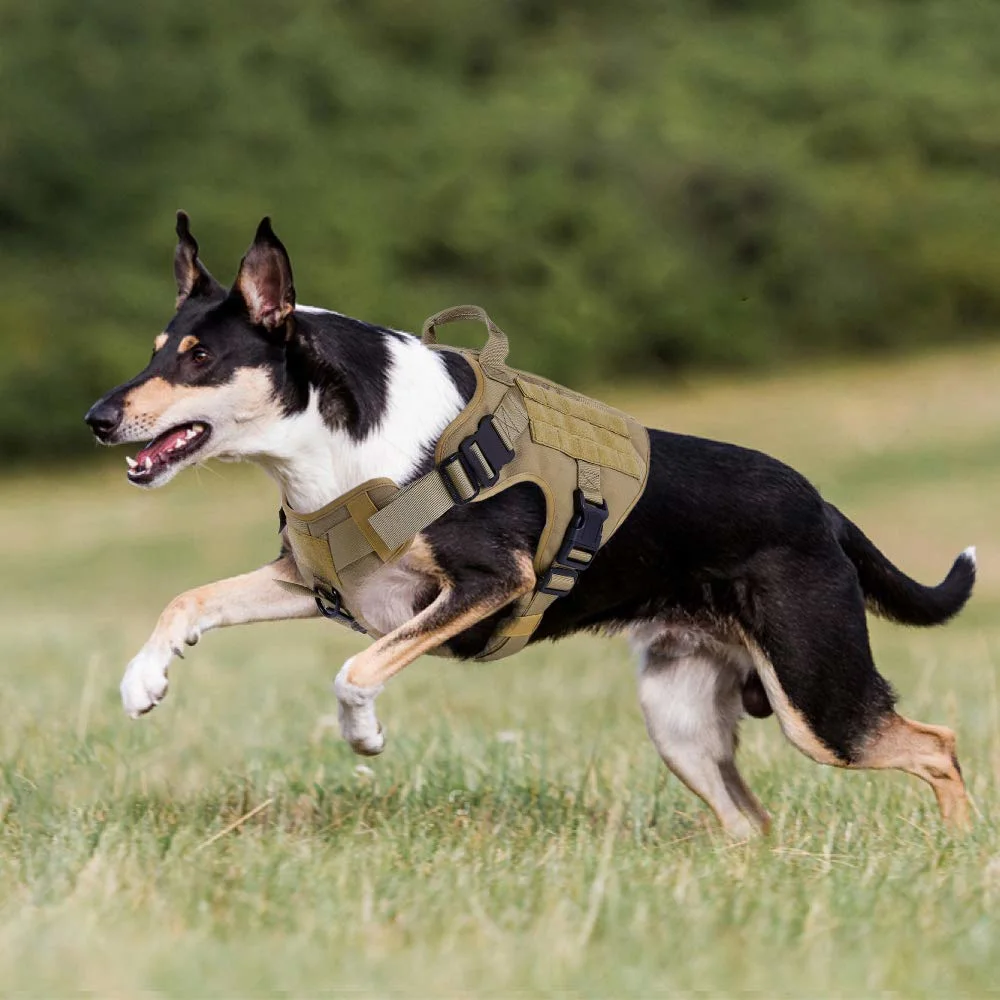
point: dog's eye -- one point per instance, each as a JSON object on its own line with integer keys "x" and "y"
{"x": 200, "y": 356}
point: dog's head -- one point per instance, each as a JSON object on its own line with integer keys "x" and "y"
{"x": 211, "y": 385}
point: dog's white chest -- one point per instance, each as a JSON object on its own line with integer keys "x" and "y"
{"x": 389, "y": 597}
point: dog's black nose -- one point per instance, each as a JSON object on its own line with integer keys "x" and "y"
{"x": 103, "y": 417}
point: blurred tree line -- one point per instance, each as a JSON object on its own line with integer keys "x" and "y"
{"x": 629, "y": 187}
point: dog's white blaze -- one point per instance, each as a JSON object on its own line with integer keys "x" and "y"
{"x": 314, "y": 465}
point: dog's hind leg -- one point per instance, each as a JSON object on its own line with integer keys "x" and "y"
{"x": 262, "y": 595}
{"x": 813, "y": 657}
{"x": 928, "y": 752}
{"x": 692, "y": 702}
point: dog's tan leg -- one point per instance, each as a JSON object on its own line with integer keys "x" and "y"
{"x": 455, "y": 609}
{"x": 927, "y": 752}
{"x": 253, "y": 597}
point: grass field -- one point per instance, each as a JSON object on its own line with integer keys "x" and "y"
{"x": 519, "y": 834}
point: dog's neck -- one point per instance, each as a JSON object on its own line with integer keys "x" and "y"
{"x": 406, "y": 407}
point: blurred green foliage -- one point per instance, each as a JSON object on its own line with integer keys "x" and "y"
{"x": 630, "y": 187}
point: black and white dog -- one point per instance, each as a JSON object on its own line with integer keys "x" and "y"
{"x": 741, "y": 588}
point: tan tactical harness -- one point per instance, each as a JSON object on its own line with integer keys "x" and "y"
{"x": 589, "y": 460}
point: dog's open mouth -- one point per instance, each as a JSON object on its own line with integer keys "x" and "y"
{"x": 166, "y": 450}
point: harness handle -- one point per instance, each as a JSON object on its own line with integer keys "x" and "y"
{"x": 493, "y": 357}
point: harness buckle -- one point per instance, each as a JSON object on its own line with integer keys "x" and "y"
{"x": 331, "y": 606}
{"x": 579, "y": 546}
{"x": 480, "y": 456}
{"x": 583, "y": 537}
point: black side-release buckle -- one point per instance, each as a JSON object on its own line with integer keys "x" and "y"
{"x": 579, "y": 546}
{"x": 483, "y": 446}
{"x": 331, "y": 606}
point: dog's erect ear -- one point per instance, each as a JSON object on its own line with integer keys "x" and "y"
{"x": 265, "y": 279}
{"x": 192, "y": 276}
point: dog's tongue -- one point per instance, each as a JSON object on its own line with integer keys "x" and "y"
{"x": 159, "y": 447}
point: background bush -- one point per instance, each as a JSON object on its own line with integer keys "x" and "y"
{"x": 634, "y": 187}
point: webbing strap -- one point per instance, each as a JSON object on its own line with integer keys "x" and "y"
{"x": 411, "y": 510}
{"x": 347, "y": 544}
{"x": 521, "y": 625}
{"x": 513, "y": 634}
{"x": 493, "y": 357}
{"x": 428, "y": 498}
{"x": 588, "y": 480}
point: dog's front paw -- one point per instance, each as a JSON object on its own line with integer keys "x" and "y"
{"x": 356, "y": 714}
{"x": 144, "y": 685}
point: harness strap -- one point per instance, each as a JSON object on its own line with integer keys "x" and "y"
{"x": 450, "y": 484}
{"x": 580, "y": 544}
{"x": 588, "y": 481}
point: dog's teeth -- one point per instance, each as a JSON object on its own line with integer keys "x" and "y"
{"x": 147, "y": 463}
{"x": 192, "y": 431}
{"x": 132, "y": 463}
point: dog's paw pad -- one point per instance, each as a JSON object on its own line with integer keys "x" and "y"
{"x": 369, "y": 746}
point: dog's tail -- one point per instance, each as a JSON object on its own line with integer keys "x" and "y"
{"x": 890, "y": 593}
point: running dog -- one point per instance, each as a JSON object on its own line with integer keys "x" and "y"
{"x": 742, "y": 589}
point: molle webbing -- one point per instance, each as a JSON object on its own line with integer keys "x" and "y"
{"x": 589, "y": 461}
{"x": 579, "y": 429}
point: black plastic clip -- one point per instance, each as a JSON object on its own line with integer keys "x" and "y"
{"x": 485, "y": 445}
{"x": 331, "y": 606}
{"x": 579, "y": 546}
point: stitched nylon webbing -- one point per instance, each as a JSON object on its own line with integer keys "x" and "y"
{"x": 513, "y": 634}
{"x": 588, "y": 480}
{"x": 412, "y": 510}
{"x": 428, "y": 498}
{"x": 347, "y": 543}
